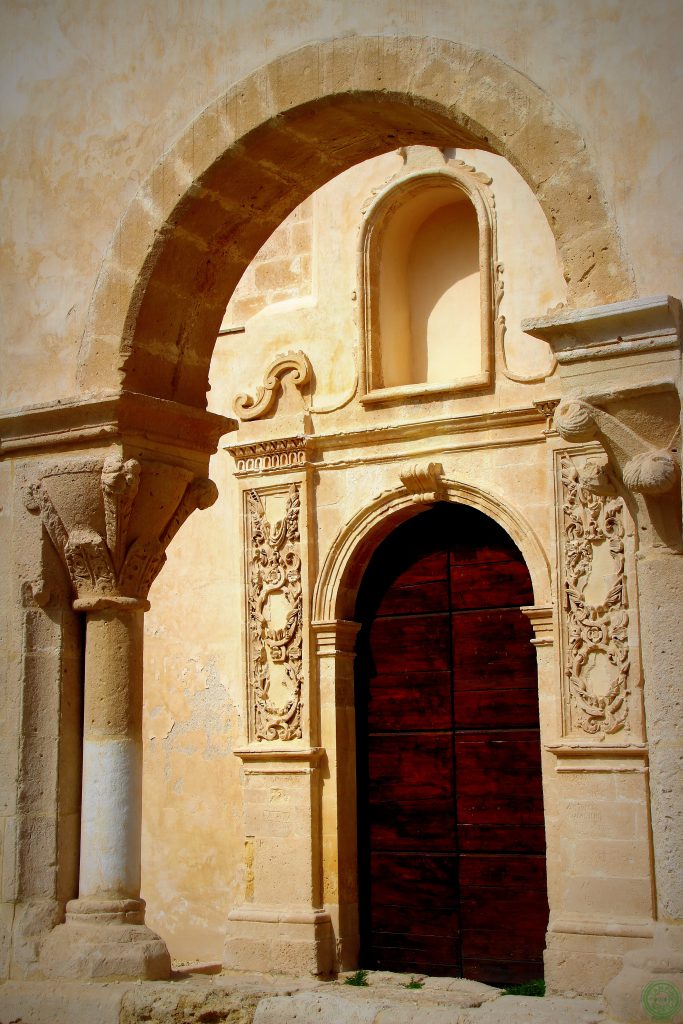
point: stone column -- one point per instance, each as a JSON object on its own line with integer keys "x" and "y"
{"x": 111, "y": 519}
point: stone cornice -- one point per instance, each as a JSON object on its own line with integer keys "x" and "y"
{"x": 107, "y": 418}
{"x": 619, "y": 329}
{"x": 421, "y": 429}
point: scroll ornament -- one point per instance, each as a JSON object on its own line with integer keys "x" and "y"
{"x": 275, "y": 569}
{"x": 296, "y": 363}
{"x": 593, "y": 515}
{"x": 113, "y": 569}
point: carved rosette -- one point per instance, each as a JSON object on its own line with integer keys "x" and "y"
{"x": 274, "y": 577}
{"x": 114, "y": 567}
{"x": 593, "y": 517}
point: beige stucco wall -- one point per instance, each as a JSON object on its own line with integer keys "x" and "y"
{"x": 92, "y": 101}
{"x": 194, "y": 855}
{"x": 93, "y": 97}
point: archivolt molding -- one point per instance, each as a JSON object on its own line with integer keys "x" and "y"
{"x": 206, "y": 208}
{"x": 335, "y": 591}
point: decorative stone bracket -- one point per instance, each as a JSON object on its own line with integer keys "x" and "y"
{"x": 646, "y": 471}
{"x": 113, "y": 549}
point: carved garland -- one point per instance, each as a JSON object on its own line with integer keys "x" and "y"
{"x": 592, "y": 517}
{"x": 275, "y": 568}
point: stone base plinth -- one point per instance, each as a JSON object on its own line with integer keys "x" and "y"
{"x": 105, "y": 940}
{"x": 582, "y": 961}
{"x": 279, "y": 941}
{"x": 649, "y": 987}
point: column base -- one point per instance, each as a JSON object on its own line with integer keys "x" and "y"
{"x": 649, "y": 986}
{"x": 105, "y": 939}
{"x": 279, "y": 941}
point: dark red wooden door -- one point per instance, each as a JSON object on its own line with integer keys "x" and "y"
{"x": 452, "y": 872}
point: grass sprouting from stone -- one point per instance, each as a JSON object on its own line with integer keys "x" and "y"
{"x": 359, "y": 978}
{"x": 527, "y": 988}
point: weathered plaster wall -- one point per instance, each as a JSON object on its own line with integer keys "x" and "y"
{"x": 93, "y": 96}
{"x": 194, "y": 861}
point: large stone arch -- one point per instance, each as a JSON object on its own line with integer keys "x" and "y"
{"x": 274, "y": 138}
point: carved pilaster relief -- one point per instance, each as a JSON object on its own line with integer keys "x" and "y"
{"x": 597, "y": 665}
{"x": 108, "y": 562}
{"x": 275, "y": 618}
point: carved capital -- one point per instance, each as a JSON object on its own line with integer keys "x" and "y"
{"x": 295, "y": 363}
{"x": 111, "y": 522}
{"x": 424, "y": 481}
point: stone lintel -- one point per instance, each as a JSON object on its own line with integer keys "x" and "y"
{"x": 620, "y": 328}
{"x": 109, "y": 418}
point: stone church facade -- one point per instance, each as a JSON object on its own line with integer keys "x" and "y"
{"x": 342, "y": 519}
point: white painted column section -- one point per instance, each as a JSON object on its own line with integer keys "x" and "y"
{"x": 111, "y": 810}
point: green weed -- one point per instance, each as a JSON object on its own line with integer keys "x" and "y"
{"x": 527, "y": 988}
{"x": 359, "y": 978}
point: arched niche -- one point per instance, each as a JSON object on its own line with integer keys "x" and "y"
{"x": 427, "y": 267}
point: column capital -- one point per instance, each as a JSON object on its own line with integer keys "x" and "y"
{"x": 111, "y": 518}
{"x": 542, "y": 621}
{"x": 335, "y": 637}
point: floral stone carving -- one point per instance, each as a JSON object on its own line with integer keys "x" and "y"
{"x": 597, "y": 662}
{"x": 275, "y": 611}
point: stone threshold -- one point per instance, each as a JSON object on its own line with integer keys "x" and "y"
{"x": 202, "y": 994}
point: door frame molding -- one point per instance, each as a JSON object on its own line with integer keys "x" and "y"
{"x": 334, "y": 631}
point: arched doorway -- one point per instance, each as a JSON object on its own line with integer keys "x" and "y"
{"x": 452, "y": 877}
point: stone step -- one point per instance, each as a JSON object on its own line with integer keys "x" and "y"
{"x": 267, "y": 999}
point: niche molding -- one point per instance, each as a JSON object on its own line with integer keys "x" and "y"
{"x": 444, "y": 341}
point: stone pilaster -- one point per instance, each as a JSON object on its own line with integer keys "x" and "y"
{"x": 336, "y": 654}
{"x": 281, "y": 924}
{"x": 620, "y": 372}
